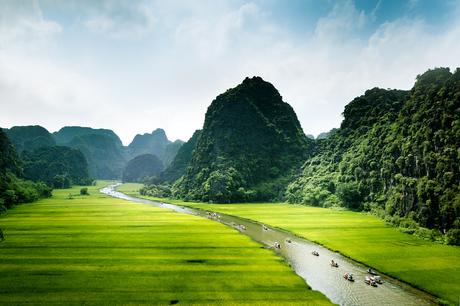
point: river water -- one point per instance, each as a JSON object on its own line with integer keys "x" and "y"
{"x": 315, "y": 270}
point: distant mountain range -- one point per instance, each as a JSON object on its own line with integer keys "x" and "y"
{"x": 104, "y": 152}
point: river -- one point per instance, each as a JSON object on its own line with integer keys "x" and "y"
{"x": 315, "y": 270}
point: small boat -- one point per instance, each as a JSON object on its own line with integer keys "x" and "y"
{"x": 277, "y": 245}
{"x": 370, "y": 281}
{"x": 315, "y": 253}
{"x": 334, "y": 264}
{"x": 288, "y": 240}
{"x": 242, "y": 227}
{"x": 264, "y": 227}
{"x": 349, "y": 277}
{"x": 376, "y": 279}
{"x": 370, "y": 271}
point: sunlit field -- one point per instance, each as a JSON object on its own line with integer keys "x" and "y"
{"x": 427, "y": 265}
{"x": 100, "y": 250}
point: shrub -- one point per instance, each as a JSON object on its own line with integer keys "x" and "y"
{"x": 453, "y": 236}
{"x": 61, "y": 181}
{"x": 84, "y": 191}
{"x": 350, "y": 196}
{"x": 159, "y": 191}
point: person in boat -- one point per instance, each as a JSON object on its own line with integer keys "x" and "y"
{"x": 370, "y": 271}
{"x": 348, "y": 276}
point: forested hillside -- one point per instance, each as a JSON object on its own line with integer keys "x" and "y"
{"x": 250, "y": 145}
{"x": 14, "y": 189}
{"x": 29, "y": 138}
{"x": 66, "y": 134}
{"x": 105, "y": 155}
{"x": 57, "y": 166}
{"x": 156, "y": 143}
{"x": 106, "y": 159}
{"x": 396, "y": 153}
{"x": 183, "y": 157}
{"x": 141, "y": 167}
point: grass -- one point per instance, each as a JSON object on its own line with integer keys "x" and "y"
{"x": 430, "y": 266}
{"x": 99, "y": 250}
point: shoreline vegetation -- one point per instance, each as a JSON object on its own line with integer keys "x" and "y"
{"x": 96, "y": 249}
{"x": 426, "y": 265}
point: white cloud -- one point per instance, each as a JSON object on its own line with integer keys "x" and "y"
{"x": 342, "y": 23}
{"x": 123, "y": 20}
{"x": 320, "y": 75}
{"x": 23, "y": 21}
{"x": 186, "y": 54}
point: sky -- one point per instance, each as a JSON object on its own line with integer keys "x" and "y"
{"x": 134, "y": 66}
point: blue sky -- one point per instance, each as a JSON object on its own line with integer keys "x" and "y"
{"x": 134, "y": 66}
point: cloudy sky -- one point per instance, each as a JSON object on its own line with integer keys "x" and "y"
{"x": 133, "y": 66}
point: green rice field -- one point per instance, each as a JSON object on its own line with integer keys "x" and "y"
{"x": 427, "y": 265}
{"x": 89, "y": 250}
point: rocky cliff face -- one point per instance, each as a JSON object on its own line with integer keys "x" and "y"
{"x": 251, "y": 143}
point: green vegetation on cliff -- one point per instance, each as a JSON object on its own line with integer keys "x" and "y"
{"x": 57, "y": 166}
{"x": 141, "y": 167}
{"x": 396, "y": 153}
{"x": 182, "y": 159}
{"x": 14, "y": 189}
{"x": 66, "y": 134}
{"x": 250, "y": 145}
{"x": 105, "y": 158}
{"x": 156, "y": 143}
{"x": 29, "y": 138}
{"x": 102, "y": 149}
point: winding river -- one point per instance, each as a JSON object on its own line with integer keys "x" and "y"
{"x": 315, "y": 270}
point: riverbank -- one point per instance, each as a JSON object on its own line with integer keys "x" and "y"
{"x": 426, "y": 265}
{"x": 99, "y": 250}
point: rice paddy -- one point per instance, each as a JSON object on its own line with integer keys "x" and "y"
{"x": 100, "y": 250}
{"x": 429, "y": 266}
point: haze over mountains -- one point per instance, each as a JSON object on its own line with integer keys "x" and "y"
{"x": 102, "y": 148}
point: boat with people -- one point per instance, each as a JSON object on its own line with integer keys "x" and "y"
{"x": 264, "y": 227}
{"x": 288, "y": 240}
{"x": 349, "y": 277}
{"x": 370, "y": 271}
{"x": 377, "y": 279}
{"x": 315, "y": 253}
{"x": 334, "y": 264}
{"x": 277, "y": 245}
{"x": 370, "y": 281}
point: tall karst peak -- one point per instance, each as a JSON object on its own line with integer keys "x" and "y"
{"x": 249, "y": 139}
